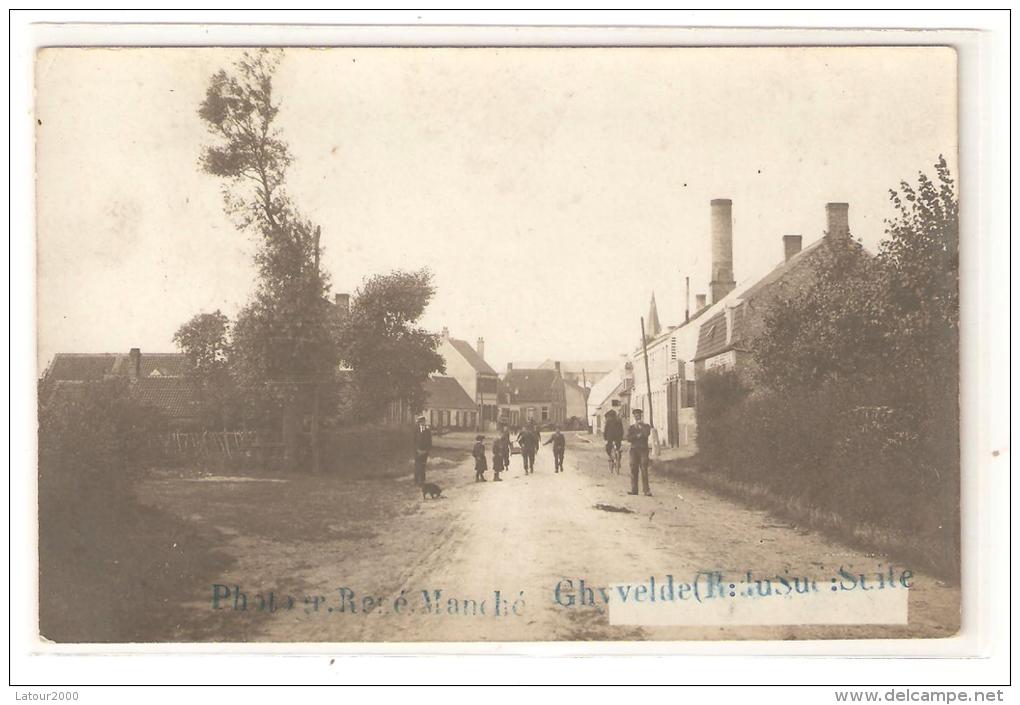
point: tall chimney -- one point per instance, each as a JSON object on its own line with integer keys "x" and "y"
{"x": 687, "y": 299}
{"x": 135, "y": 364}
{"x": 722, "y": 248}
{"x": 837, "y": 220}
{"x": 700, "y": 301}
{"x": 557, "y": 366}
{"x": 791, "y": 246}
{"x": 509, "y": 366}
{"x": 480, "y": 347}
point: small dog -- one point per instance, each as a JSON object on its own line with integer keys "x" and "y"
{"x": 430, "y": 489}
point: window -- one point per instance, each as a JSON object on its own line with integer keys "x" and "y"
{"x": 615, "y": 402}
{"x": 531, "y": 413}
{"x": 545, "y": 413}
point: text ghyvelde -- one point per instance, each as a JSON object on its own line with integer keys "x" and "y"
{"x": 566, "y": 593}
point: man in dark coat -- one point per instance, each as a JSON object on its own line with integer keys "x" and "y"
{"x": 529, "y": 439}
{"x": 422, "y": 446}
{"x": 613, "y": 432}
{"x": 559, "y": 447}
{"x": 638, "y": 436}
{"x": 504, "y": 438}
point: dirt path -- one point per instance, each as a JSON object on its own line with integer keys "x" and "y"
{"x": 524, "y": 536}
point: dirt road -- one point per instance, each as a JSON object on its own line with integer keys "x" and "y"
{"x": 522, "y": 537}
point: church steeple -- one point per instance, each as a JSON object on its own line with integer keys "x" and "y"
{"x": 652, "y": 325}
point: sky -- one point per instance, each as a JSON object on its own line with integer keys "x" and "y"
{"x": 550, "y": 191}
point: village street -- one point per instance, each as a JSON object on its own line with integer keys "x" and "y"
{"x": 377, "y": 539}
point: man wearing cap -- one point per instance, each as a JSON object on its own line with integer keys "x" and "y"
{"x": 422, "y": 446}
{"x": 638, "y": 435}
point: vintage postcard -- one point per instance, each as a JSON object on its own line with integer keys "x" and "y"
{"x": 380, "y": 345}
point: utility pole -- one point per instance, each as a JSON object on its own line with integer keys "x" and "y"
{"x": 648, "y": 383}
{"x": 316, "y": 450}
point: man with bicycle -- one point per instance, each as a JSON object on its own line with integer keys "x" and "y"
{"x": 613, "y": 433}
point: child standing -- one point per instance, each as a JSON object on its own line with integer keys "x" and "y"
{"x": 479, "y": 452}
{"x": 559, "y": 444}
{"x": 498, "y": 459}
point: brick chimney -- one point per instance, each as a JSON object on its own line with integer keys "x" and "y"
{"x": 480, "y": 347}
{"x": 722, "y": 248}
{"x": 700, "y": 301}
{"x": 791, "y": 246}
{"x": 135, "y": 364}
{"x": 837, "y": 220}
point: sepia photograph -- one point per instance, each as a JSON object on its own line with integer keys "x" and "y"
{"x": 379, "y": 345}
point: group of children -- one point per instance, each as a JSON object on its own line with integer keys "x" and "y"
{"x": 528, "y": 440}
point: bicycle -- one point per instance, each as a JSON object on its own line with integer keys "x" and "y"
{"x": 615, "y": 458}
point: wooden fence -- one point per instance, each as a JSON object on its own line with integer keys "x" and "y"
{"x": 204, "y": 443}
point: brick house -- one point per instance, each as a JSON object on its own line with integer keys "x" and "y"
{"x": 532, "y": 395}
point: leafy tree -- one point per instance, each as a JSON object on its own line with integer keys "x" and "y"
{"x": 829, "y": 329}
{"x": 290, "y": 316}
{"x": 920, "y": 261}
{"x": 891, "y": 321}
{"x": 287, "y": 342}
{"x": 283, "y": 346}
{"x": 391, "y": 357}
{"x": 205, "y": 339}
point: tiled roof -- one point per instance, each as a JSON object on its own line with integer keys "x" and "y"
{"x": 156, "y": 365}
{"x": 80, "y": 367}
{"x": 472, "y": 356}
{"x": 780, "y": 271}
{"x": 712, "y": 336}
{"x": 174, "y": 396}
{"x": 446, "y": 393}
{"x": 93, "y": 367}
{"x": 528, "y": 386}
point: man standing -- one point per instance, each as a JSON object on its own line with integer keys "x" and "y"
{"x": 637, "y": 436}
{"x": 422, "y": 446}
{"x": 528, "y": 439}
{"x": 504, "y": 438}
